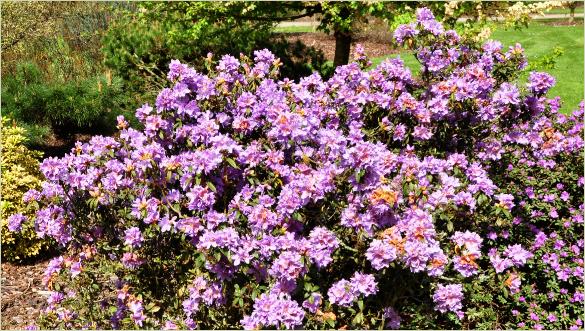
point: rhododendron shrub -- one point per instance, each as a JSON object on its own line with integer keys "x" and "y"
{"x": 377, "y": 198}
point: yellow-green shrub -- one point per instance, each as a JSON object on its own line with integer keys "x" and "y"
{"x": 20, "y": 172}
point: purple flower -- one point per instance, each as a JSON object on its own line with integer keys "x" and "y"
{"x": 15, "y": 222}
{"x": 274, "y": 310}
{"x": 342, "y": 293}
{"x": 262, "y": 219}
{"x": 364, "y": 284}
{"x": 534, "y": 317}
{"x": 470, "y": 245}
{"x": 190, "y": 323}
{"x": 517, "y": 255}
{"x": 448, "y": 298}
{"x": 75, "y": 269}
{"x": 169, "y": 325}
{"x": 399, "y": 132}
{"x": 424, "y": 14}
{"x": 437, "y": 264}
{"x": 392, "y": 318}
{"x": 499, "y": 263}
{"x": 322, "y": 243}
{"x": 506, "y": 201}
{"x": 133, "y": 237}
{"x": 200, "y": 198}
{"x": 433, "y": 27}
{"x": 422, "y": 133}
{"x": 66, "y": 315}
{"x": 513, "y": 282}
{"x": 191, "y": 226}
{"x": 131, "y": 260}
{"x": 55, "y": 298}
{"x": 313, "y": 302}
{"x": 136, "y": 308}
{"x": 416, "y": 255}
{"x": 465, "y": 265}
{"x": 540, "y": 82}
{"x": 507, "y": 94}
{"x": 287, "y": 266}
{"x": 471, "y": 241}
{"x": 403, "y": 32}
{"x": 380, "y": 254}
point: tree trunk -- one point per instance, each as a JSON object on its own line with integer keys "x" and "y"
{"x": 342, "y": 48}
{"x": 572, "y": 16}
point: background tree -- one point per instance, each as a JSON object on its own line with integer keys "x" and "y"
{"x": 572, "y": 5}
{"x": 144, "y": 39}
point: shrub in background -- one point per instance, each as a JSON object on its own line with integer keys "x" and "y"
{"x": 64, "y": 107}
{"x": 20, "y": 173}
{"x": 373, "y": 199}
{"x": 54, "y": 83}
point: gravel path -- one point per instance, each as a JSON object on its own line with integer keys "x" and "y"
{"x": 22, "y": 294}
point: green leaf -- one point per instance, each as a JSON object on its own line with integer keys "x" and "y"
{"x": 232, "y": 163}
{"x": 358, "y": 319}
{"x": 359, "y": 175}
{"x": 212, "y": 187}
{"x": 331, "y": 323}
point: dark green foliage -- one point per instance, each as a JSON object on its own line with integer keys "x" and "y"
{"x": 64, "y": 107}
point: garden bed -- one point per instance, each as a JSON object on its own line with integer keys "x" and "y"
{"x": 23, "y": 295}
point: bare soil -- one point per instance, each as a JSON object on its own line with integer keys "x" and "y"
{"x": 22, "y": 294}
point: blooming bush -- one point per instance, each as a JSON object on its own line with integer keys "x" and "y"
{"x": 373, "y": 199}
{"x": 20, "y": 173}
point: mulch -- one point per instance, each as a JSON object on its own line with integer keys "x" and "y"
{"x": 565, "y": 22}
{"x": 23, "y": 295}
{"x": 374, "y": 47}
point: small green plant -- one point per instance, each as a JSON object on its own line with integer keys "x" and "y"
{"x": 547, "y": 61}
{"x": 20, "y": 173}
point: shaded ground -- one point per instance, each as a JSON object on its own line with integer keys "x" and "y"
{"x": 373, "y": 46}
{"x": 23, "y": 295}
{"x": 58, "y": 146}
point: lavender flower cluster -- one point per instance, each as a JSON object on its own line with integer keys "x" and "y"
{"x": 273, "y": 183}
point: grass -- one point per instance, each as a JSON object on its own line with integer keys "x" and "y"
{"x": 294, "y": 29}
{"x": 578, "y": 10}
{"x": 539, "y": 40}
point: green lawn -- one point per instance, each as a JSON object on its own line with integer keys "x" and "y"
{"x": 538, "y": 40}
{"x": 564, "y": 11}
{"x": 294, "y": 29}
